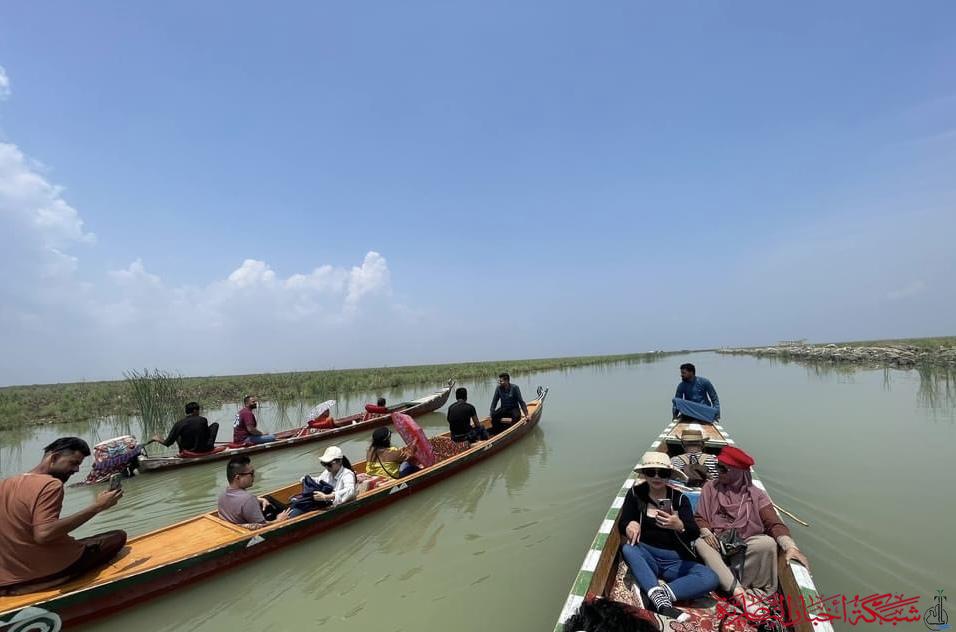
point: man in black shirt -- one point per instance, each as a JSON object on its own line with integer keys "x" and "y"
{"x": 192, "y": 433}
{"x": 463, "y": 420}
{"x": 512, "y": 404}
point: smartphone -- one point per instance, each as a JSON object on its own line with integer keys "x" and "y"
{"x": 666, "y": 506}
{"x": 116, "y": 482}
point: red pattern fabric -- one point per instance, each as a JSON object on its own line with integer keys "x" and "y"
{"x": 445, "y": 448}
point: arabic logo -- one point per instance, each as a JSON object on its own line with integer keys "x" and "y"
{"x": 936, "y": 618}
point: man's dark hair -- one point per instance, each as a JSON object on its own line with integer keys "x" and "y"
{"x": 192, "y": 408}
{"x": 504, "y": 376}
{"x": 607, "y": 615}
{"x": 236, "y": 463}
{"x": 381, "y": 401}
{"x": 461, "y": 393}
{"x": 687, "y": 366}
{"x": 68, "y": 444}
{"x": 245, "y": 400}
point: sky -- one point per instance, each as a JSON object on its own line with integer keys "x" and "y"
{"x": 230, "y": 187}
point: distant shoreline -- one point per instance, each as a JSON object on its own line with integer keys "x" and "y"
{"x": 904, "y": 353}
{"x": 80, "y": 401}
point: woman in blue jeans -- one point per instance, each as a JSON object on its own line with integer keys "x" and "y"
{"x": 658, "y": 527}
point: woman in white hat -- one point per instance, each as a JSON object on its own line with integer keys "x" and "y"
{"x": 338, "y": 474}
{"x": 658, "y": 528}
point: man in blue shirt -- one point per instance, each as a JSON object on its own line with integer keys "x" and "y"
{"x": 696, "y": 397}
{"x": 512, "y": 404}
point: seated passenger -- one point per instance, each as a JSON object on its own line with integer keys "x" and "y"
{"x": 377, "y": 409}
{"x": 734, "y": 502}
{"x": 337, "y": 478}
{"x": 192, "y": 433}
{"x": 381, "y": 459}
{"x": 697, "y": 466}
{"x": 512, "y": 404}
{"x": 658, "y": 528}
{"x": 245, "y": 429}
{"x": 463, "y": 422}
{"x": 238, "y": 506}
{"x": 696, "y": 398}
{"x": 36, "y": 550}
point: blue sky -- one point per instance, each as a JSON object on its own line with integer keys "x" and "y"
{"x": 531, "y": 179}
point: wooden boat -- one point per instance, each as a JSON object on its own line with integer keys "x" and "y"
{"x": 168, "y": 558}
{"x": 604, "y": 572}
{"x": 304, "y": 434}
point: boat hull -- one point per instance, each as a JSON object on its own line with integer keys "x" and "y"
{"x": 81, "y": 605}
{"x": 422, "y": 406}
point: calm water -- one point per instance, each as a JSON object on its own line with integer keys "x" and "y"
{"x": 866, "y": 456}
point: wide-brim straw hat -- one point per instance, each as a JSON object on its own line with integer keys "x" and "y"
{"x": 693, "y": 432}
{"x": 332, "y": 453}
{"x": 658, "y": 460}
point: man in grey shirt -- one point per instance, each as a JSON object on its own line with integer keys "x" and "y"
{"x": 512, "y": 404}
{"x": 238, "y": 506}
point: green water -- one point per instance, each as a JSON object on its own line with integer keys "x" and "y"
{"x": 865, "y": 456}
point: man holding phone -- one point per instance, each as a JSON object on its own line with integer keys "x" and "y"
{"x": 36, "y": 550}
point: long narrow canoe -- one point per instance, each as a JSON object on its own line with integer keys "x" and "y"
{"x": 605, "y": 574}
{"x": 298, "y": 436}
{"x": 168, "y": 558}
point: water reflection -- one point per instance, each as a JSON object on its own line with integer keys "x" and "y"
{"x": 936, "y": 384}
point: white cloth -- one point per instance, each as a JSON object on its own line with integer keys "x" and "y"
{"x": 343, "y": 484}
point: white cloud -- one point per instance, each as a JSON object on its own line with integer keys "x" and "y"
{"x": 252, "y": 272}
{"x": 63, "y": 328}
{"x": 26, "y": 197}
{"x": 910, "y": 290}
{"x": 135, "y": 274}
{"x": 4, "y": 84}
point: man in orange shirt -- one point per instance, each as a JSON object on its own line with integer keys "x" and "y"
{"x": 36, "y": 550}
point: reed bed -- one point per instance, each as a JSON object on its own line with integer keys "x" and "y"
{"x": 55, "y": 403}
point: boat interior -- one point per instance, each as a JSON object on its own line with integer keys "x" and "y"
{"x": 613, "y": 580}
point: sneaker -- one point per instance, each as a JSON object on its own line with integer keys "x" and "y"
{"x": 673, "y": 613}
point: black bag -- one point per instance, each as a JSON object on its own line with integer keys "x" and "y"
{"x": 304, "y": 501}
{"x": 734, "y": 551}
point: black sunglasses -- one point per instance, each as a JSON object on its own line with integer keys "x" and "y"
{"x": 722, "y": 468}
{"x": 327, "y": 464}
{"x": 657, "y": 473}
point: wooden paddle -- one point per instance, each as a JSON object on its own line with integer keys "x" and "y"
{"x": 784, "y": 511}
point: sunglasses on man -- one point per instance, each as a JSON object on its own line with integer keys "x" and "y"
{"x": 657, "y": 473}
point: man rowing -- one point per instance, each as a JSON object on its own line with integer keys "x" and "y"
{"x": 696, "y": 397}
{"x": 36, "y": 550}
{"x": 192, "y": 433}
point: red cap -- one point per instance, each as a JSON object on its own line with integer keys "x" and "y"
{"x": 735, "y": 457}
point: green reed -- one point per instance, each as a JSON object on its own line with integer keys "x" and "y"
{"x": 158, "y": 396}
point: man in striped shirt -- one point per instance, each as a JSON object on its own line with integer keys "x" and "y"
{"x": 692, "y": 439}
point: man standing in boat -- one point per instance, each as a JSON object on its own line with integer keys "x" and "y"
{"x": 696, "y": 397}
{"x": 245, "y": 429}
{"x": 36, "y": 550}
{"x": 512, "y": 404}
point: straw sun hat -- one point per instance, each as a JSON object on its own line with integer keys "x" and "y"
{"x": 658, "y": 460}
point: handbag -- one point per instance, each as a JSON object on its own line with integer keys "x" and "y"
{"x": 304, "y": 500}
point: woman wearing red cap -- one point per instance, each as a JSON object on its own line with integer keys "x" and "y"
{"x": 734, "y": 502}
